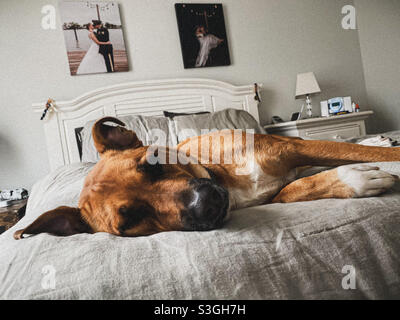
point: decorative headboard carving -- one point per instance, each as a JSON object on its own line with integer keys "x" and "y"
{"x": 141, "y": 98}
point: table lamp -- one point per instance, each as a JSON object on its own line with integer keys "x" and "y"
{"x": 307, "y": 85}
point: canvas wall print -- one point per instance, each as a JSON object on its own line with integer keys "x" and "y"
{"x": 203, "y": 35}
{"x": 93, "y": 37}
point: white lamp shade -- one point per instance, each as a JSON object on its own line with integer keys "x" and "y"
{"x": 306, "y": 84}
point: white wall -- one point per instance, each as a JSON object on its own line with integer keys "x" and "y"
{"x": 270, "y": 42}
{"x": 379, "y": 32}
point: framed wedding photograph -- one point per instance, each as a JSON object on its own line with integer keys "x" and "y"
{"x": 202, "y": 33}
{"x": 93, "y": 37}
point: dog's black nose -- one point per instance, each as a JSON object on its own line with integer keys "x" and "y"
{"x": 207, "y": 207}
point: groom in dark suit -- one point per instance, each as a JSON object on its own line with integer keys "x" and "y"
{"x": 106, "y": 50}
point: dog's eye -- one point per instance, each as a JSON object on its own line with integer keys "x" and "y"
{"x": 133, "y": 215}
{"x": 153, "y": 171}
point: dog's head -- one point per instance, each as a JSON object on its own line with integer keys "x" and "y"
{"x": 126, "y": 195}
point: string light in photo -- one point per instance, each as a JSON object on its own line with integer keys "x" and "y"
{"x": 206, "y": 13}
{"x": 99, "y": 7}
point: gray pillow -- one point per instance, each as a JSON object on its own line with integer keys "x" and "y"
{"x": 194, "y": 125}
{"x": 164, "y": 131}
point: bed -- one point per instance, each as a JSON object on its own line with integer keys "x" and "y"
{"x": 325, "y": 249}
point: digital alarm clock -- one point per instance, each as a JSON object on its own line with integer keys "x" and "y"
{"x": 336, "y": 106}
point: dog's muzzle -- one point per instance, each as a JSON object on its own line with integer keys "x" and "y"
{"x": 206, "y": 206}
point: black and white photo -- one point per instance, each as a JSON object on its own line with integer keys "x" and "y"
{"x": 203, "y": 35}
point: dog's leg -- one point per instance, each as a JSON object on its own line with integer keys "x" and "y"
{"x": 297, "y": 152}
{"x": 337, "y": 153}
{"x": 350, "y": 181}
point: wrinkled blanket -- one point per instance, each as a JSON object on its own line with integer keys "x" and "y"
{"x": 325, "y": 249}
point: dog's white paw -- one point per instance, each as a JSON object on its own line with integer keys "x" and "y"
{"x": 365, "y": 180}
{"x": 378, "y": 141}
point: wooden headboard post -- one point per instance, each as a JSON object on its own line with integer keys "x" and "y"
{"x": 137, "y": 98}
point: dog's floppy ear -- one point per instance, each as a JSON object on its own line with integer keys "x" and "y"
{"x": 63, "y": 221}
{"x": 113, "y": 137}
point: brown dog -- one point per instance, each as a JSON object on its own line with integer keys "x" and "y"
{"x": 126, "y": 195}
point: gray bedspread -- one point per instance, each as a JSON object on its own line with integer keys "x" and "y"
{"x": 279, "y": 251}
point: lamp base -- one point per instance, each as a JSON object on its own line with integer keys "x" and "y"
{"x": 309, "y": 106}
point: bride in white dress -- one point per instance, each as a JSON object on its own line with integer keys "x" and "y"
{"x": 93, "y": 61}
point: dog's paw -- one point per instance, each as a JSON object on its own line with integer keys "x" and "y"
{"x": 365, "y": 180}
{"x": 378, "y": 141}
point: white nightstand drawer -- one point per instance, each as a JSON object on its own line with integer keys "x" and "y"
{"x": 329, "y": 128}
{"x": 334, "y": 133}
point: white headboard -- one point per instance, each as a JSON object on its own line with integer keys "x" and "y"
{"x": 141, "y": 98}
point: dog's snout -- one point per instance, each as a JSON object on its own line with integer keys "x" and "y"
{"x": 208, "y": 206}
{"x": 207, "y": 201}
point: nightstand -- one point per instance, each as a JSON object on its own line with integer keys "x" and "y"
{"x": 325, "y": 128}
{"x": 12, "y": 214}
